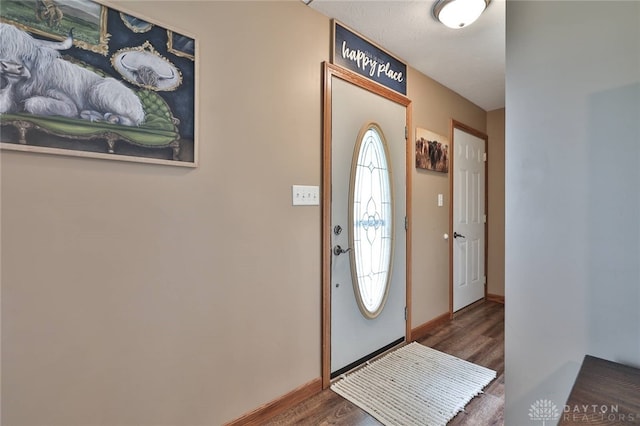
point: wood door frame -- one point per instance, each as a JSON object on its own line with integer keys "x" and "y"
{"x": 454, "y": 124}
{"x": 329, "y": 71}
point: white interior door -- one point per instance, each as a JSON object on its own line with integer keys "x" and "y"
{"x": 354, "y": 335}
{"x": 469, "y": 219}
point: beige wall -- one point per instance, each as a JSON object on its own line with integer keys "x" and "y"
{"x": 433, "y": 107}
{"x": 495, "y": 183}
{"x": 146, "y": 294}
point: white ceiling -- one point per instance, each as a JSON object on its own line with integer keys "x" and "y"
{"x": 469, "y": 61}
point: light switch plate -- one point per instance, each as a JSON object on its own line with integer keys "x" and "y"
{"x": 305, "y": 195}
{"x": 440, "y": 200}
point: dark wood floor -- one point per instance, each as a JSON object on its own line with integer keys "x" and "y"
{"x": 476, "y": 335}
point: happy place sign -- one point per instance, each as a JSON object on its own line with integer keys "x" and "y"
{"x": 361, "y": 56}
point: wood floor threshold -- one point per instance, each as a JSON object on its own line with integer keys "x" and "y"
{"x": 368, "y": 359}
{"x": 271, "y": 409}
{"x": 422, "y": 330}
{"x": 495, "y": 298}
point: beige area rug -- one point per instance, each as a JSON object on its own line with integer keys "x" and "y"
{"x": 414, "y": 385}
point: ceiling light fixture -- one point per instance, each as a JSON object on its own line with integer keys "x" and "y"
{"x": 459, "y": 13}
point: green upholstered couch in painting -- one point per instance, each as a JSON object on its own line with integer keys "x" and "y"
{"x": 159, "y": 129}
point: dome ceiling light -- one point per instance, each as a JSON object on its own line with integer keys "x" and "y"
{"x": 459, "y": 13}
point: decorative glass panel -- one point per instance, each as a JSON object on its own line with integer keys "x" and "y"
{"x": 372, "y": 222}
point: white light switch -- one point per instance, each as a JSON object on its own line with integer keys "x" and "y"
{"x": 440, "y": 200}
{"x": 304, "y": 195}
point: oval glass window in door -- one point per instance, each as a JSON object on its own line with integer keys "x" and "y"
{"x": 371, "y": 219}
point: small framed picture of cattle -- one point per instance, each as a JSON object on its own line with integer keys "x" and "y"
{"x": 82, "y": 79}
{"x": 432, "y": 151}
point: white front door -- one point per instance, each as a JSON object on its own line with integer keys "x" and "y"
{"x": 468, "y": 218}
{"x": 363, "y": 225}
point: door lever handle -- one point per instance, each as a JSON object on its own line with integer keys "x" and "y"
{"x": 337, "y": 250}
{"x": 456, "y": 235}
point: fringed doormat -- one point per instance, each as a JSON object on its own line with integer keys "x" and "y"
{"x": 414, "y": 385}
